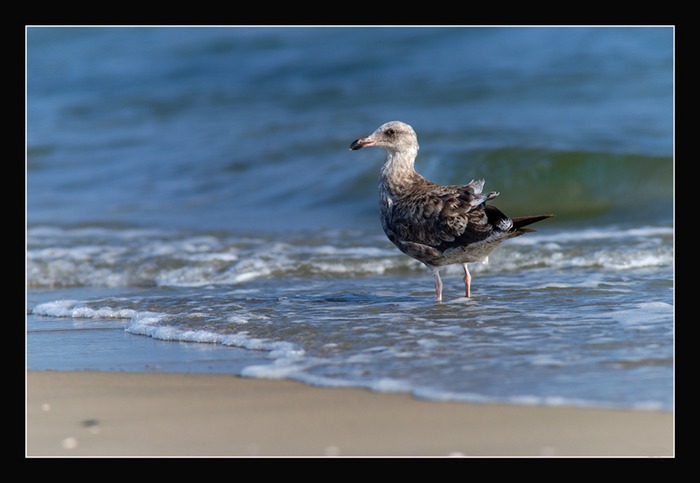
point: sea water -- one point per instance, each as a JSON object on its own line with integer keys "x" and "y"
{"x": 192, "y": 206}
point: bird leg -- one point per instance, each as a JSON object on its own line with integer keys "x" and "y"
{"x": 467, "y": 280}
{"x": 438, "y": 285}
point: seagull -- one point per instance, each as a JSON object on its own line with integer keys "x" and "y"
{"x": 437, "y": 225}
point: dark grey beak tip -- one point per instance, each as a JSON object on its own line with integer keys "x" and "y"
{"x": 356, "y": 144}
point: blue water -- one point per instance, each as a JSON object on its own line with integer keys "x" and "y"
{"x": 192, "y": 205}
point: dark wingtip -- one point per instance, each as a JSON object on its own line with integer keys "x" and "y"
{"x": 528, "y": 220}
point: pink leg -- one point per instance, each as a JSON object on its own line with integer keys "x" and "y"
{"x": 438, "y": 285}
{"x": 467, "y": 280}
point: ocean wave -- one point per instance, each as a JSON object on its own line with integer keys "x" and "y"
{"x": 573, "y": 184}
{"x": 170, "y": 327}
{"x": 112, "y": 258}
{"x": 288, "y": 359}
{"x": 80, "y": 310}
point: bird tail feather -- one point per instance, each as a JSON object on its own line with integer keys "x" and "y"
{"x": 520, "y": 222}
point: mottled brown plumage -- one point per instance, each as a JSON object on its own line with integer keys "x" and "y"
{"x": 437, "y": 225}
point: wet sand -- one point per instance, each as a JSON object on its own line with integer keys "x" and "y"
{"x": 166, "y": 414}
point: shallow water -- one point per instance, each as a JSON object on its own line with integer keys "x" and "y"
{"x": 549, "y": 321}
{"x": 192, "y": 205}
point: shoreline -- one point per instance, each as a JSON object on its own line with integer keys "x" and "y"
{"x": 76, "y": 413}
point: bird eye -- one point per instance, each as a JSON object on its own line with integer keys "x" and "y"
{"x": 390, "y": 132}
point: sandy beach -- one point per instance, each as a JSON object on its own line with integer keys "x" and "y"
{"x": 146, "y": 414}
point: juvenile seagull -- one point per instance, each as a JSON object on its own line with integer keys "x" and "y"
{"x": 436, "y": 225}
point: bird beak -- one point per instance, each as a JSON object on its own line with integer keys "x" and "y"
{"x": 361, "y": 143}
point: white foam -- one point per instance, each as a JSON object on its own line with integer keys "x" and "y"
{"x": 119, "y": 258}
{"x": 390, "y": 385}
{"x": 154, "y": 325}
{"x": 271, "y": 371}
{"x": 377, "y": 267}
{"x": 528, "y": 400}
{"x": 59, "y": 308}
{"x": 356, "y": 252}
{"x": 289, "y": 361}
{"x": 610, "y": 258}
{"x": 545, "y": 361}
{"x": 213, "y": 257}
{"x": 75, "y": 309}
{"x": 590, "y": 234}
{"x": 196, "y": 276}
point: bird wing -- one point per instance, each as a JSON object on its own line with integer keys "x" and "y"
{"x": 444, "y": 216}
